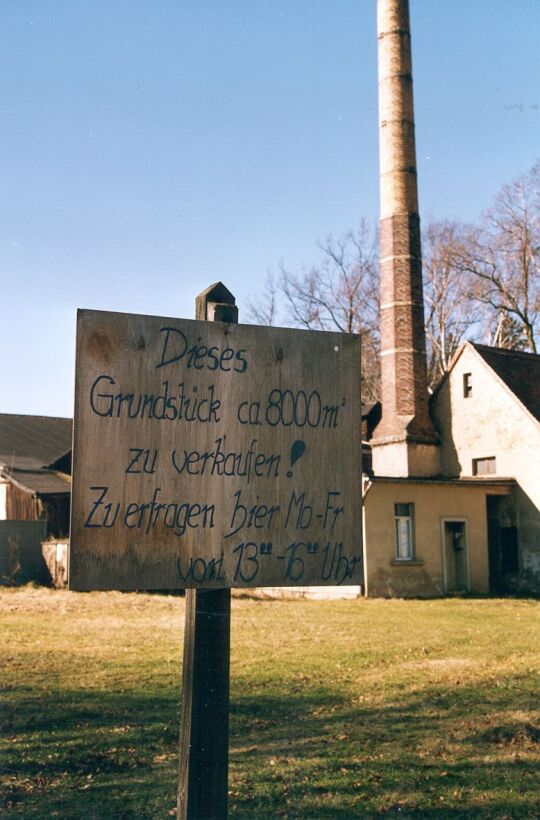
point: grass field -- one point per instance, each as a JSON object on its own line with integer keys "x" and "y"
{"x": 338, "y": 709}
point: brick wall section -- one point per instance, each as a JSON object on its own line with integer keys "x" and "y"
{"x": 403, "y": 356}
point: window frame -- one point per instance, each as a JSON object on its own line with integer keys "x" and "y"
{"x": 467, "y": 385}
{"x": 409, "y": 520}
{"x": 484, "y": 460}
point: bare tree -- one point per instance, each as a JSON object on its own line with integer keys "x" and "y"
{"x": 503, "y": 255}
{"x": 508, "y": 332}
{"x": 341, "y": 293}
{"x": 451, "y": 314}
{"x": 479, "y": 282}
{"x": 264, "y": 310}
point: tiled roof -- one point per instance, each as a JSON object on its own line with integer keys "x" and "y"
{"x": 519, "y": 371}
{"x": 31, "y": 442}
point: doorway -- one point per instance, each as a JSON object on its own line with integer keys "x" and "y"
{"x": 503, "y": 546}
{"x": 456, "y": 556}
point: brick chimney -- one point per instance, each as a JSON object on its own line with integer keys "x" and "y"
{"x": 404, "y": 442}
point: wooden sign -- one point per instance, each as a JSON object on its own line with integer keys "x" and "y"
{"x": 214, "y": 455}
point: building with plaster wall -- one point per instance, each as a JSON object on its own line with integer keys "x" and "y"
{"x": 451, "y": 504}
{"x": 487, "y": 411}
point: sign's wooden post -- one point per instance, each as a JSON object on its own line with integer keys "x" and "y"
{"x": 210, "y": 455}
{"x": 204, "y": 726}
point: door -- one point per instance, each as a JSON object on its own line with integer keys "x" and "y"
{"x": 456, "y": 558}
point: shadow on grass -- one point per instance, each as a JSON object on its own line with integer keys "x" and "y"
{"x": 441, "y": 750}
{"x": 90, "y": 754}
{"x": 313, "y": 754}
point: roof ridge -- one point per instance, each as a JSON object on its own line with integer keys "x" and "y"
{"x": 505, "y": 351}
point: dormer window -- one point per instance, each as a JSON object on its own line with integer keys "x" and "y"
{"x": 484, "y": 466}
{"x": 467, "y": 385}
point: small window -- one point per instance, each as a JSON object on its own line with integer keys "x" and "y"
{"x": 403, "y": 516}
{"x": 484, "y": 466}
{"x": 467, "y": 385}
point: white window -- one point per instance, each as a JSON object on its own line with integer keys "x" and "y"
{"x": 484, "y": 466}
{"x": 403, "y": 516}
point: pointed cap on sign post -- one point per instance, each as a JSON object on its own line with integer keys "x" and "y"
{"x": 216, "y": 294}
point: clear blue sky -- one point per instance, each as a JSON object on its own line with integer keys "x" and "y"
{"x": 151, "y": 147}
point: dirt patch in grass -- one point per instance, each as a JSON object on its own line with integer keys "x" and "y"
{"x": 440, "y": 663}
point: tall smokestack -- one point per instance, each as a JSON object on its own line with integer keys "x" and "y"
{"x": 405, "y": 442}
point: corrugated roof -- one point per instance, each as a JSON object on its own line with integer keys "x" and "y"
{"x": 42, "y": 482}
{"x": 519, "y": 371}
{"x": 33, "y": 441}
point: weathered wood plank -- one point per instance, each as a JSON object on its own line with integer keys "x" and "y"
{"x": 211, "y": 454}
{"x": 204, "y": 726}
{"x": 204, "y": 732}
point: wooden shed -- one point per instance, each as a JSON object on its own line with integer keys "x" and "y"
{"x": 35, "y": 486}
